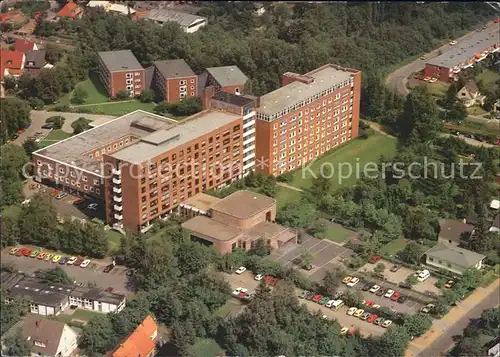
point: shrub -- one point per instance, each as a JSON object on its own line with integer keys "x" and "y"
{"x": 80, "y": 125}
{"x": 57, "y": 120}
{"x": 286, "y": 177}
{"x": 79, "y": 95}
{"x": 147, "y": 95}
{"x": 123, "y": 94}
{"x": 61, "y": 108}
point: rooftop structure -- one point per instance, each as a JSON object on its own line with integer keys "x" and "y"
{"x": 175, "y": 68}
{"x": 453, "y": 231}
{"x": 296, "y": 94}
{"x": 39, "y": 292}
{"x": 244, "y": 204}
{"x": 72, "y": 151}
{"x": 97, "y": 294}
{"x": 165, "y": 139}
{"x": 234, "y": 99}
{"x": 183, "y": 19}
{"x": 123, "y": 60}
{"x": 466, "y": 49}
{"x": 201, "y": 202}
{"x": 140, "y": 342}
{"x": 228, "y": 75}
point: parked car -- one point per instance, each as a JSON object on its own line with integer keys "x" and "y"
{"x": 375, "y": 259}
{"x": 395, "y": 268}
{"x": 71, "y": 261}
{"x": 386, "y": 323}
{"x": 20, "y": 252}
{"x": 259, "y": 277}
{"x": 404, "y": 285}
{"x": 381, "y": 292}
{"x": 338, "y": 295}
{"x": 358, "y": 312}
{"x": 453, "y": 43}
{"x": 34, "y": 253}
{"x": 317, "y": 298}
{"x": 85, "y": 263}
{"x": 310, "y": 295}
{"x": 41, "y": 256}
{"x": 303, "y": 294}
{"x": 108, "y": 268}
{"x": 310, "y": 267}
{"x": 365, "y": 316}
{"x": 78, "y": 261}
{"x": 49, "y": 125}
{"x": 423, "y": 58}
{"x": 351, "y": 311}
{"x": 56, "y": 258}
{"x": 427, "y": 79}
{"x": 49, "y": 257}
{"x": 371, "y": 318}
{"x": 323, "y": 300}
{"x": 13, "y": 251}
{"x": 92, "y": 206}
{"x": 61, "y": 195}
{"x": 344, "y": 330}
{"x": 347, "y": 279}
{"x": 367, "y": 286}
{"x": 369, "y": 303}
{"x": 427, "y": 308}
{"x": 449, "y": 284}
{"x": 329, "y": 303}
{"x": 78, "y": 201}
{"x": 395, "y": 296}
{"x": 389, "y": 293}
{"x": 63, "y": 260}
{"x": 241, "y": 270}
{"x": 402, "y": 299}
{"x": 353, "y": 282}
{"x": 433, "y": 80}
{"x": 374, "y": 289}
{"x": 378, "y": 320}
{"x": 236, "y": 291}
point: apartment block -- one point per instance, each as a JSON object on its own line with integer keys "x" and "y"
{"x": 120, "y": 71}
{"x": 306, "y": 117}
{"x": 174, "y": 80}
{"x": 446, "y": 66}
{"x": 228, "y": 79}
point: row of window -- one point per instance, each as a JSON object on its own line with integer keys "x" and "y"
{"x": 73, "y": 183}
{"x": 309, "y": 147}
{"x": 130, "y": 75}
{"x": 110, "y": 148}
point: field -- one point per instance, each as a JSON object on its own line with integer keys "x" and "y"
{"x": 12, "y": 211}
{"x": 353, "y": 155}
{"x": 95, "y": 90}
{"x": 286, "y": 195}
{"x": 394, "y": 247}
{"x": 337, "y": 233}
{"x": 437, "y": 89}
{"x": 53, "y": 137}
{"x": 116, "y": 108}
{"x": 206, "y": 347}
{"x": 79, "y": 314}
{"x": 489, "y": 77}
{"x": 114, "y": 239}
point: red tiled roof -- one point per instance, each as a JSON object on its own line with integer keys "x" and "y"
{"x": 69, "y": 10}
{"x": 13, "y": 60}
{"x": 24, "y": 46}
{"x": 12, "y": 16}
{"x": 139, "y": 342}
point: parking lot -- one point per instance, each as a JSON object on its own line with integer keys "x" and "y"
{"x": 246, "y": 280}
{"x": 116, "y": 278}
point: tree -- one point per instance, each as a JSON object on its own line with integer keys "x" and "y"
{"x": 15, "y": 115}
{"x": 379, "y": 268}
{"x": 80, "y": 125}
{"x": 331, "y": 281}
{"x": 56, "y": 275}
{"x": 30, "y": 145}
{"x": 98, "y": 336}
{"x": 79, "y": 95}
{"x": 412, "y": 280}
{"x": 53, "y": 53}
{"x": 296, "y": 214}
{"x": 11, "y": 165}
{"x": 123, "y": 94}
{"x": 317, "y": 228}
{"x": 16, "y": 344}
{"x": 57, "y": 121}
{"x": 457, "y": 113}
{"x": 490, "y": 321}
{"x": 417, "y": 325}
{"x": 157, "y": 267}
{"x": 36, "y": 223}
{"x": 412, "y": 253}
{"x": 192, "y": 257}
{"x": 393, "y": 343}
{"x": 95, "y": 243}
{"x": 147, "y": 95}
{"x": 450, "y": 97}
{"x": 306, "y": 259}
{"x": 10, "y": 232}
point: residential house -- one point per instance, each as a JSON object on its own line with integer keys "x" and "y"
{"x": 469, "y": 95}
{"x": 35, "y": 61}
{"x": 140, "y": 343}
{"x": 70, "y": 10}
{"x": 115, "y": 8}
{"x": 453, "y": 259}
{"x": 174, "y": 80}
{"x": 96, "y": 299}
{"x": 189, "y": 23}
{"x": 47, "y": 337}
{"x": 25, "y": 46}
{"x": 12, "y": 63}
{"x": 454, "y": 232}
{"x": 13, "y": 17}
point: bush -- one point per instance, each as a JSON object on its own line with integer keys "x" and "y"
{"x": 123, "y": 94}
{"x": 36, "y": 103}
{"x": 80, "y": 125}
{"x": 185, "y": 107}
{"x": 62, "y": 108}
{"x": 79, "y": 95}
{"x": 286, "y": 177}
{"x": 147, "y": 95}
{"x": 57, "y": 120}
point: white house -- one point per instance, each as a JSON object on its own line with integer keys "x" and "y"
{"x": 189, "y": 23}
{"x": 97, "y": 300}
{"x": 469, "y": 95}
{"x": 454, "y": 259}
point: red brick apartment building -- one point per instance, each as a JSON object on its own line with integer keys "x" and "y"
{"x": 309, "y": 115}
{"x": 143, "y": 165}
{"x": 228, "y": 79}
{"x": 446, "y": 66}
{"x": 120, "y": 71}
{"x": 174, "y": 80}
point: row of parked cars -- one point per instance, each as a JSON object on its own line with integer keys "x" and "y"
{"x": 368, "y": 317}
{"x": 376, "y": 289}
{"x": 49, "y": 257}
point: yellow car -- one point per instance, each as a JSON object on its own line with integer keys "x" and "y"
{"x": 48, "y": 257}
{"x": 344, "y": 330}
{"x": 56, "y": 258}
{"x": 13, "y": 251}
{"x": 359, "y": 313}
{"x": 347, "y": 279}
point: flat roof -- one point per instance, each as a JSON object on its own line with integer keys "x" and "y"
{"x": 286, "y": 96}
{"x": 228, "y": 75}
{"x": 175, "y": 68}
{"x": 119, "y": 60}
{"x": 98, "y": 294}
{"x": 71, "y": 151}
{"x": 48, "y": 294}
{"x": 265, "y": 230}
{"x": 238, "y": 100}
{"x": 166, "y": 139}
{"x": 164, "y": 15}
{"x": 201, "y": 201}
{"x": 466, "y": 49}
{"x": 244, "y": 204}
{"x": 211, "y": 228}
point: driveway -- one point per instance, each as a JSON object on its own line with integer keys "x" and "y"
{"x": 38, "y": 118}
{"x": 397, "y": 80}
{"x": 116, "y": 279}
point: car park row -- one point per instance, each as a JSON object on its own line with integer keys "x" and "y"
{"x": 376, "y": 289}
{"x": 49, "y": 257}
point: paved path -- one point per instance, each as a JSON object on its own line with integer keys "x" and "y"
{"x": 282, "y": 184}
{"x": 103, "y": 103}
{"x": 440, "y": 338}
{"x": 469, "y": 140}
{"x": 378, "y": 128}
{"x": 399, "y": 78}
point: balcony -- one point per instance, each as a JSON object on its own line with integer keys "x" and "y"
{"x": 117, "y": 190}
{"x": 118, "y": 208}
{"x": 249, "y": 124}
{"x": 117, "y": 181}
{"x": 116, "y": 171}
{"x": 117, "y": 199}
{"x": 118, "y": 217}
{"x": 250, "y": 148}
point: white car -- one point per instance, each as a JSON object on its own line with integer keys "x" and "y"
{"x": 259, "y": 277}
{"x": 427, "y": 308}
{"x": 375, "y": 288}
{"x": 329, "y": 303}
{"x": 92, "y": 206}
{"x": 351, "y": 311}
{"x": 386, "y": 323}
{"x": 71, "y": 261}
{"x": 433, "y": 80}
{"x": 85, "y": 263}
{"x": 241, "y": 270}
{"x": 376, "y": 306}
{"x": 237, "y": 291}
{"x": 353, "y": 282}
{"x": 389, "y": 293}
{"x": 453, "y": 42}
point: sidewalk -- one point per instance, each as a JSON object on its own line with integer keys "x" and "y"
{"x": 456, "y": 313}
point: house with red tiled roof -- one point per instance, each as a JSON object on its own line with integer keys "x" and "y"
{"x": 140, "y": 343}
{"x": 13, "y": 17}
{"x": 25, "y": 46}
{"x": 12, "y": 63}
{"x": 70, "y": 10}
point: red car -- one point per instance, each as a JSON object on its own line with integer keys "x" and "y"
{"x": 20, "y": 131}
{"x": 78, "y": 261}
{"x": 271, "y": 281}
{"x": 372, "y": 318}
{"x": 375, "y": 259}
{"x": 369, "y": 303}
{"x": 26, "y": 252}
{"x": 317, "y": 298}
{"x": 20, "y": 252}
{"x": 497, "y": 20}
{"x": 396, "y": 296}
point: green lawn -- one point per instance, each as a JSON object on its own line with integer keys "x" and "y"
{"x": 489, "y": 78}
{"x": 337, "y": 233}
{"x": 286, "y": 195}
{"x": 438, "y": 89}
{"x": 53, "y": 137}
{"x": 117, "y": 108}
{"x": 476, "y": 110}
{"x": 395, "y": 246}
{"x": 79, "y": 314}
{"x": 11, "y": 211}
{"x": 358, "y": 152}
{"x": 95, "y": 90}
{"x": 114, "y": 239}
{"x": 205, "y": 347}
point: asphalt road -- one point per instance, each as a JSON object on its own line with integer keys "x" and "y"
{"x": 398, "y": 79}
{"x": 445, "y": 342}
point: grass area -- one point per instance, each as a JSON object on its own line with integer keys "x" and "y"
{"x": 352, "y": 155}
{"x": 79, "y": 314}
{"x": 489, "y": 77}
{"x": 337, "y": 233}
{"x": 232, "y": 306}
{"x": 114, "y": 239}
{"x": 205, "y": 347}
{"x": 476, "y": 110}
{"x": 11, "y": 211}
{"x": 437, "y": 89}
{"x": 53, "y": 137}
{"x": 393, "y": 247}
{"x": 117, "y": 108}
{"x": 286, "y": 195}
{"x": 95, "y": 90}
